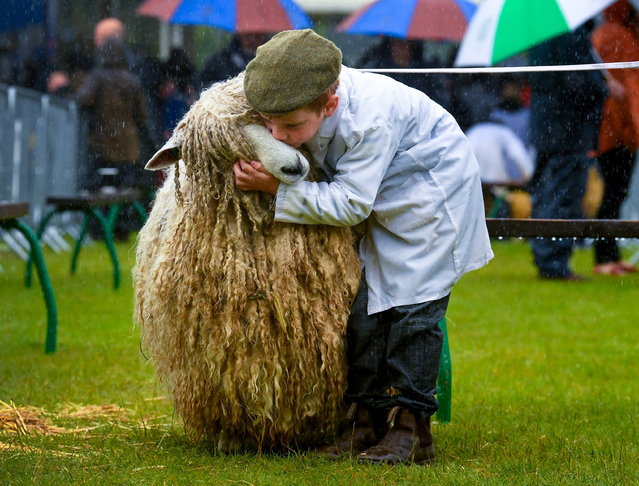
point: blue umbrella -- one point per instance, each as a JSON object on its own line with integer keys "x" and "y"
{"x": 17, "y": 14}
{"x": 412, "y": 19}
{"x": 244, "y": 16}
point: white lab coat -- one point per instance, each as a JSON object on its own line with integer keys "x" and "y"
{"x": 396, "y": 157}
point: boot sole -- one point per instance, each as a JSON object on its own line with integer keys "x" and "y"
{"x": 430, "y": 457}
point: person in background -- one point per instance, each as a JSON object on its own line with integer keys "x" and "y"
{"x": 77, "y": 65}
{"x": 177, "y": 90}
{"x": 8, "y": 57}
{"x": 505, "y": 165}
{"x": 564, "y": 122}
{"x": 231, "y": 60}
{"x": 118, "y": 118}
{"x": 504, "y": 152}
{"x": 396, "y": 53}
{"x": 473, "y": 98}
{"x": 617, "y": 40}
{"x": 502, "y": 156}
{"x": 58, "y": 84}
{"x": 146, "y": 68}
{"x": 512, "y": 110}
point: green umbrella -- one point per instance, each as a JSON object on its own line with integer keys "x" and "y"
{"x": 502, "y": 28}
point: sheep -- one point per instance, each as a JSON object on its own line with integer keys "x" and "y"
{"x": 243, "y": 317}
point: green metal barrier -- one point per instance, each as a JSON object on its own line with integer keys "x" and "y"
{"x": 444, "y": 379}
{"x": 9, "y": 221}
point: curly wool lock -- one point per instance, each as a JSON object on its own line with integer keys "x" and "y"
{"x": 244, "y": 317}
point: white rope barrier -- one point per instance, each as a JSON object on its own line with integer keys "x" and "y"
{"x": 513, "y": 69}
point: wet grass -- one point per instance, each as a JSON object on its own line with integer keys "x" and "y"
{"x": 545, "y": 387}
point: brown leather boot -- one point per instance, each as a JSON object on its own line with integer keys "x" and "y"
{"x": 358, "y": 436}
{"x": 408, "y": 440}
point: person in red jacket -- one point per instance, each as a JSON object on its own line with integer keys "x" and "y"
{"x": 617, "y": 40}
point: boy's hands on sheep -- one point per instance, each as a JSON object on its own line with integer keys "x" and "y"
{"x": 252, "y": 176}
{"x": 280, "y": 163}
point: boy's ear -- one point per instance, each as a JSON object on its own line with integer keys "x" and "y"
{"x": 168, "y": 155}
{"x": 331, "y": 105}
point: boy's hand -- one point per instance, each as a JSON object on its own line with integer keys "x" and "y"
{"x": 251, "y": 176}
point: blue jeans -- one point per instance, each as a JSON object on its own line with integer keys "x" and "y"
{"x": 398, "y": 348}
{"x": 557, "y": 194}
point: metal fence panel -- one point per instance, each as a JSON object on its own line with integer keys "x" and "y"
{"x": 6, "y": 146}
{"x": 39, "y": 147}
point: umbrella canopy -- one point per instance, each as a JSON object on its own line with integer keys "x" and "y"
{"x": 502, "y": 28}
{"x": 243, "y": 16}
{"x": 17, "y": 14}
{"x": 412, "y": 19}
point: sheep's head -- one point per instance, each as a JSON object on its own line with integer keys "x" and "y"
{"x": 283, "y": 161}
{"x": 223, "y": 114}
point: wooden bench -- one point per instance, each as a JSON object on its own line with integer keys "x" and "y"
{"x": 9, "y": 214}
{"x": 105, "y": 208}
{"x": 562, "y": 228}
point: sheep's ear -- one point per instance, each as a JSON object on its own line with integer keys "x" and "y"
{"x": 168, "y": 155}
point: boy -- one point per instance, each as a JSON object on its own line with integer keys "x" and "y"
{"x": 399, "y": 161}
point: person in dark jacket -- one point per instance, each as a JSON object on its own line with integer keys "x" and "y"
{"x": 118, "y": 117}
{"x": 118, "y": 113}
{"x": 565, "y": 113}
{"x": 146, "y": 68}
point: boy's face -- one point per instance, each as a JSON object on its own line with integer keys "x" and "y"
{"x": 299, "y": 126}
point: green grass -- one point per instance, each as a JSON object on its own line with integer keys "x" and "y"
{"x": 545, "y": 387}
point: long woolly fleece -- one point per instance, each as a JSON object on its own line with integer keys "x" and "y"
{"x": 243, "y": 317}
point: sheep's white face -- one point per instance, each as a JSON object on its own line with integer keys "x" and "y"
{"x": 282, "y": 161}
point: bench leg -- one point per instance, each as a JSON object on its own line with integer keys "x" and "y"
{"x": 112, "y": 217}
{"x": 114, "y": 212}
{"x": 41, "y": 227}
{"x": 79, "y": 240}
{"x": 45, "y": 283}
{"x": 108, "y": 224}
{"x": 140, "y": 210}
{"x": 444, "y": 379}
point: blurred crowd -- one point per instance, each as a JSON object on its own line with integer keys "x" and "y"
{"x": 549, "y": 145}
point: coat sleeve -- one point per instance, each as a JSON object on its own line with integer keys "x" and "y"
{"x": 89, "y": 90}
{"x": 348, "y": 199}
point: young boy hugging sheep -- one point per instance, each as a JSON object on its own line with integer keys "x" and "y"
{"x": 400, "y": 162}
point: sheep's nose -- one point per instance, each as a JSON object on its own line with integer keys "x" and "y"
{"x": 293, "y": 169}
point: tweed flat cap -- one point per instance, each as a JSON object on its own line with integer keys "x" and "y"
{"x": 290, "y": 71}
